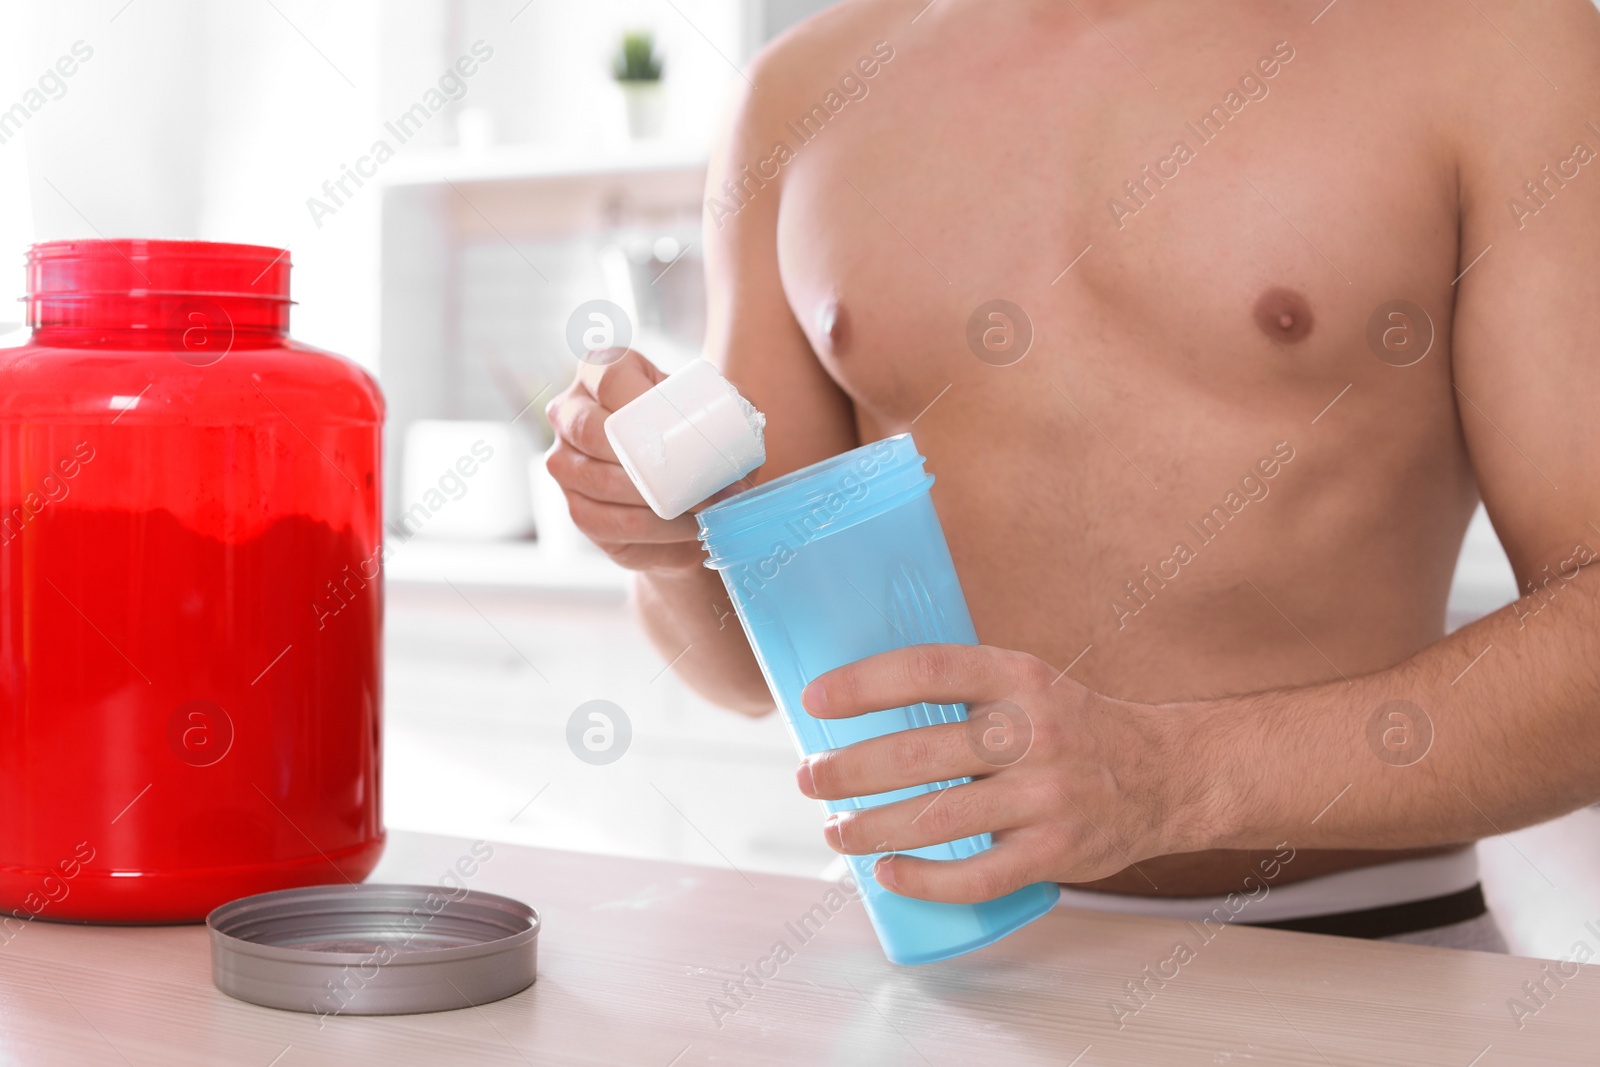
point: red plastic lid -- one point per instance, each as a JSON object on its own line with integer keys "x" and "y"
{"x": 140, "y": 284}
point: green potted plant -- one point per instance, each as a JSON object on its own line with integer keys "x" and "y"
{"x": 637, "y": 69}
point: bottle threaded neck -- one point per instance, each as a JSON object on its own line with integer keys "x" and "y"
{"x": 157, "y": 289}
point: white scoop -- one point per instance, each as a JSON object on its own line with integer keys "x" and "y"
{"x": 687, "y": 438}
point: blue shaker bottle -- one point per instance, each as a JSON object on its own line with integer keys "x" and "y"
{"x": 833, "y": 563}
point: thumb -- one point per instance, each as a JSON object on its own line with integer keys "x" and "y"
{"x": 621, "y": 380}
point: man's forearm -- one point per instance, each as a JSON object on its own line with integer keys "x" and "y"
{"x": 1489, "y": 730}
{"x": 691, "y": 622}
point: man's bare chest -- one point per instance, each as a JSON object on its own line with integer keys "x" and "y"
{"x": 1237, "y": 233}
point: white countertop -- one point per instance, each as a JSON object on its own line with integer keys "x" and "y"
{"x": 634, "y": 955}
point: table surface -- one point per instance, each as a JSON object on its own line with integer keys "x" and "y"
{"x": 634, "y": 955}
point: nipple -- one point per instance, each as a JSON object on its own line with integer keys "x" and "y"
{"x": 833, "y": 325}
{"x": 1283, "y": 315}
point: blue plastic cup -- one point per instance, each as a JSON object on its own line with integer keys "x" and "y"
{"x": 828, "y": 565}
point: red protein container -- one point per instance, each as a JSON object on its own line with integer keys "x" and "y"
{"x": 190, "y": 590}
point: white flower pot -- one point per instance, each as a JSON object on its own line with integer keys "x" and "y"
{"x": 647, "y": 108}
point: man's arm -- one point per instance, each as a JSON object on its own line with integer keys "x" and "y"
{"x": 753, "y": 336}
{"x": 1515, "y": 733}
{"x": 751, "y": 333}
{"x": 1493, "y": 728}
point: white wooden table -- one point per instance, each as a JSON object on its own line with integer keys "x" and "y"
{"x": 634, "y": 956}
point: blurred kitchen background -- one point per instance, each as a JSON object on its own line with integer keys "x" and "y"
{"x": 451, "y": 270}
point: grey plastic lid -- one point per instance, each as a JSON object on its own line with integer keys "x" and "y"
{"x": 373, "y": 949}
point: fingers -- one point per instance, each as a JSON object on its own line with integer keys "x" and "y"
{"x": 938, "y": 674}
{"x": 578, "y": 415}
{"x": 624, "y": 524}
{"x": 1008, "y": 866}
{"x": 596, "y": 479}
{"x": 983, "y": 806}
{"x": 905, "y": 758}
{"x": 609, "y": 510}
{"x": 603, "y": 501}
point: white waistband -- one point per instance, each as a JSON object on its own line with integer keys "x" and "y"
{"x": 1355, "y": 890}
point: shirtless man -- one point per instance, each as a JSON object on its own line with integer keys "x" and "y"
{"x": 1304, "y": 283}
